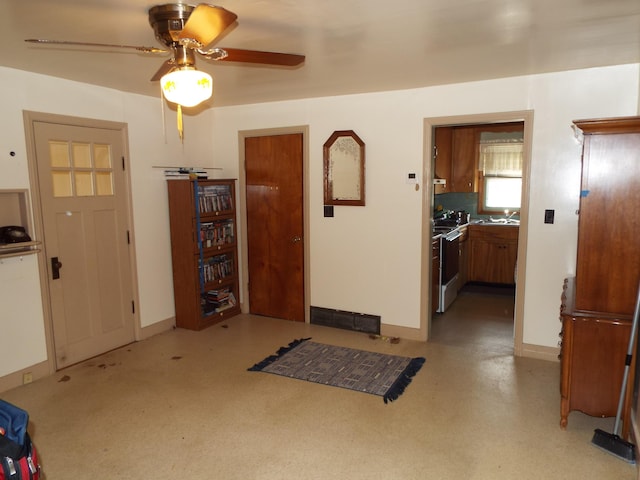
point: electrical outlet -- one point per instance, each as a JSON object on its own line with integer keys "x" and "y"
{"x": 27, "y": 378}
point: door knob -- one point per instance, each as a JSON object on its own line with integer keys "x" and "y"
{"x": 296, "y": 239}
{"x": 56, "y": 265}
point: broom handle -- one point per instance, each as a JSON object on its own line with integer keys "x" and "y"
{"x": 627, "y": 363}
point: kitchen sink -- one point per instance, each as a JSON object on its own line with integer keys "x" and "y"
{"x": 497, "y": 221}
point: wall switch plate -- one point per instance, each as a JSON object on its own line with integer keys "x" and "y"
{"x": 548, "y": 216}
{"x": 412, "y": 178}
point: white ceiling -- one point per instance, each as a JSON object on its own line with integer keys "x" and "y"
{"x": 351, "y": 46}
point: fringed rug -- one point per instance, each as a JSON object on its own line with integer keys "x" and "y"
{"x": 376, "y": 373}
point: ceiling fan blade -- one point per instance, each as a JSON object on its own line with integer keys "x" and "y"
{"x": 44, "y": 41}
{"x": 206, "y": 23}
{"x": 164, "y": 69}
{"x": 268, "y": 58}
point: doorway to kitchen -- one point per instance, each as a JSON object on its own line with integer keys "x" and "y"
{"x": 503, "y": 305}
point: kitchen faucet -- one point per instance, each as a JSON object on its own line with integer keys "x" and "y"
{"x": 509, "y": 215}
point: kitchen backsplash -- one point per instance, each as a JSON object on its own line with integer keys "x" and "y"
{"x": 459, "y": 201}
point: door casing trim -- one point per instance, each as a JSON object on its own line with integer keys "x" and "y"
{"x": 242, "y": 210}
{"x": 427, "y": 201}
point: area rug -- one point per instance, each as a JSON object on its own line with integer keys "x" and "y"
{"x": 376, "y": 373}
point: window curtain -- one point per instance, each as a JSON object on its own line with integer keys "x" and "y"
{"x": 501, "y": 158}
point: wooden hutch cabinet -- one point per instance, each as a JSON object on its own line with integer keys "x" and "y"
{"x": 597, "y": 305}
{"x": 204, "y": 251}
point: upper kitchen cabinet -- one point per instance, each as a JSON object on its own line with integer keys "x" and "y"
{"x": 464, "y": 159}
{"x": 456, "y": 155}
{"x": 442, "y": 159}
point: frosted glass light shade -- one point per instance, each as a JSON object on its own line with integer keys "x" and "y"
{"x": 187, "y": 87}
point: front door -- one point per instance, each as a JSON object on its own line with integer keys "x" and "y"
{"x": 84, "y": 213}
{"x": 274, "y": 188}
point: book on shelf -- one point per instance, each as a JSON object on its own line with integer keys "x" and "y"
{"x": 214, "y": 198}
{"x": 214, "y": 234}
{"x": 217, "y": 267}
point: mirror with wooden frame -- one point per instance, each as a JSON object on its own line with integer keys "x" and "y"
{"x": 344, "y": 169}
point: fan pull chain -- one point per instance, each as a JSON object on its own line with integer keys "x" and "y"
{"x": 180, "y": 128}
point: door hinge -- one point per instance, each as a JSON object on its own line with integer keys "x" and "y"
{"x": 133, "y": 306}
{"x": 123, "y": 162}
{"x": 128, "y": 238}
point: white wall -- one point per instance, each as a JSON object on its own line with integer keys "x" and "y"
{"x": 22, "y": 329}
{"x": 365, "y": 259}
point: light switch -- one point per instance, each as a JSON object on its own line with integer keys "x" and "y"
{"x": 548, "y": 216}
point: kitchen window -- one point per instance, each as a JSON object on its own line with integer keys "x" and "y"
{"x": 500, "y": 174}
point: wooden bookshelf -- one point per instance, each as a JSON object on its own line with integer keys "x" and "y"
{"x": 204, "y": 251}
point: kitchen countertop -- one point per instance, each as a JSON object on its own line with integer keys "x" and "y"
{"x": 480, "y": 222}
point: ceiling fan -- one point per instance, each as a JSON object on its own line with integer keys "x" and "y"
{"x": 187, "y": 30}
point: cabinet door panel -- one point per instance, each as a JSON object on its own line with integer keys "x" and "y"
{"x": 463, "y": 165}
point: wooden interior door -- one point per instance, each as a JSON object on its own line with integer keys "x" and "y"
{"x": 274, "y": 185}
{"x": 84, "y": 212}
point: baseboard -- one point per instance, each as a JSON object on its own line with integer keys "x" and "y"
{"x": 16, "y": 379}
{"x": 41, "y": 370}
{"x": 157, "y": 328}
{"x": 539, "y": 352}
{"x": 403, "y": 332}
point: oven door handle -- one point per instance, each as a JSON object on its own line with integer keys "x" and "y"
{"x": 451, "y": 236}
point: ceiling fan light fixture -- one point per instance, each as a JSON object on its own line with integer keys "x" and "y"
{"x": 187, "y": 86}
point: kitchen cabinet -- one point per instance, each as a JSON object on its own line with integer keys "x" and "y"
{"x": 598, "y": 303}
{"x": 493, "y": 251}
{"x": 464, "y": 159}
{"x": 456, "y": 158}
{"x": 442, "y": 158}
{"x": 463, "y": 265}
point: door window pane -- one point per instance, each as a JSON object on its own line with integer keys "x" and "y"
{"x": 59, "y": 154}
{"x": 84, "y": 184}
{"x": 102, "y": 156}
{"x": 62, "y": 184}
{"x": 104, "y": 183}
{"x": 81, "y": 155}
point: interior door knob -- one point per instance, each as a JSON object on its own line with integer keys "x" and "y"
{"x": 296, "y": 239}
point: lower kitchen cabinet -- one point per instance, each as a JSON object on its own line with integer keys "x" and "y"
{"x": 493, "y": 251}
{"x": 463, "y": 264}
{"x": 592, "y": 358}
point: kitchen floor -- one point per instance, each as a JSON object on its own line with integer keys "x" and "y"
{"x": 183, "y": 405}
{"x": 481, "y": 318}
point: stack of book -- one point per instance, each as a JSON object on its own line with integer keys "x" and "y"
{"x": 218, "y": 300}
